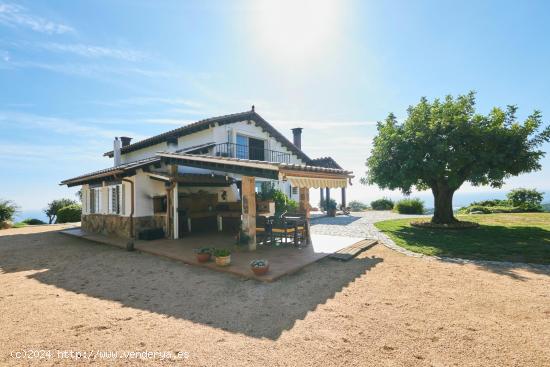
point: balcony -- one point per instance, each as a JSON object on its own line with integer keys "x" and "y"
{"x": 247, "y": 152}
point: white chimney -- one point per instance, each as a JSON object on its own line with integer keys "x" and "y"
{"x": 116, "y": 151}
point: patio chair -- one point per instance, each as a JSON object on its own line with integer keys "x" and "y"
{"x": 290, "y": 228}
{"x": 264, "y": 229}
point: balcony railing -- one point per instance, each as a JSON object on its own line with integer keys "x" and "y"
{"x": 247, "y": 152}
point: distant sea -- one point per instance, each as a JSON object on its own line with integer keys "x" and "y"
{"x": 30, "y": 214}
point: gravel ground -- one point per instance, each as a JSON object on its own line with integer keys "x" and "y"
{"x": 61, "y": 295}
{"x": 358, "y": 224}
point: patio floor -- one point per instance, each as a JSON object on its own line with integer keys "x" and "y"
{"x": 282, "y": 260}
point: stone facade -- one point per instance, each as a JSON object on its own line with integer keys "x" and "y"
{"x": 119, "y": 225}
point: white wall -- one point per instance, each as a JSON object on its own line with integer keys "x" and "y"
{"x": 145, "y": 189}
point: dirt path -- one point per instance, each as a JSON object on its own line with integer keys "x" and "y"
{"x": 382, "y": 309}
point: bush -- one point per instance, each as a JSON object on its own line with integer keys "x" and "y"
{"x": 357, "y": 206}
{"x": 33, "y": 221}
{"x": 382, "y": 204}
{"x": 54, "y": 206}
{"x": 525, "y": 198}
{"x": 70, "y": 213}
{"x": 7, "y": 210}
{"x": 282, "y": 202}
{"x": 409, "y": 206}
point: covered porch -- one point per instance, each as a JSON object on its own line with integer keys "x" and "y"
{"x": 182, "y": 212}
{"x": 283, "y": 260}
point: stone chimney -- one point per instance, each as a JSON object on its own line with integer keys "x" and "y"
{"x": 297, "y": 133}
{"x": 116, "y": 152}
{"x": 125, "y": 141}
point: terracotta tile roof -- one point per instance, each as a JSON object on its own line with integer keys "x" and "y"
{"x": 112, "y": 171}
{"x": 327, "y": 162}
{"x": 210, "y": 122}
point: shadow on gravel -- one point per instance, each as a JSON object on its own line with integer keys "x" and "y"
{"x": 147, "y": 282}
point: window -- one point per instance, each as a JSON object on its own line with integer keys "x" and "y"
{"x": 115, "y": 193}
{"x": 242, "y": 147}
{"x": 159, "y": 204}
{"x": 95, "y": 200}
{"x": 294, "y": 190}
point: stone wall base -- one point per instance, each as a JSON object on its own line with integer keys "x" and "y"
{"x": 120, "y": 226}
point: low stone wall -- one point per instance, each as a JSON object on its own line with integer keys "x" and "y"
{"x": 117, "y": 225}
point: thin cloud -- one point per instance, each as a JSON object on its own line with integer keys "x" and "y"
{"x": 96, "y": 52}
{"x": 323, "y": 125}
{"x": 13, "y": 15}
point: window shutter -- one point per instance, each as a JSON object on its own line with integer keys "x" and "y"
{"x": 92, "y": 201}
{"x": 123, "y": 200}
{"x": 117, "y": 192}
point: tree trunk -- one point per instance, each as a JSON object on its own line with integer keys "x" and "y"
{"x": 443, "y": 200}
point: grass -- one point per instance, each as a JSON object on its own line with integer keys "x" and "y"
{"x": 19, "y": 225}
{"x": 519, "y": 237}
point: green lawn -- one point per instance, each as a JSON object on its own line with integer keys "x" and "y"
{"x": 521, "y": 237}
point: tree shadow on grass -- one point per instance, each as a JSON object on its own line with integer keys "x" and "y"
{"x": 147, "y": 282}
{"x": 506, "y": 245}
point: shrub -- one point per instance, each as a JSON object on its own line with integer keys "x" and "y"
{"x": 69, "y": 213}
{"x": 221, "y": 252}
{"x": 7, "y": 210}
{"x": 409, "y": 206}
{"x": 357, "y": 206}
{"x": 32, "y": 221}
{"x": 332, "y": 204}
{"x": 526, "y": 198}
{"x": 282, "y": 202}
{"x": 382, "y": 204}
{"x": 54, "y": 206}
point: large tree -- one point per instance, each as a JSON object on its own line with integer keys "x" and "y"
{"x": 443, "y": 144}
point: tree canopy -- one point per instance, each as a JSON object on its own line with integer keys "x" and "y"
{"x": 444, "y": 143}
{"x": 54, "y": 206}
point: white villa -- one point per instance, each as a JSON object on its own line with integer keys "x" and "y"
{"x": 201, "y": 177}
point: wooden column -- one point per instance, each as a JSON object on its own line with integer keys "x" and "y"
{"x": 304, "y": 208}
{"x": 343, "y": 197}
{"x": 322, "y": 198}
{"x": 248, "y": 222}
{"x": 176, "y": 213}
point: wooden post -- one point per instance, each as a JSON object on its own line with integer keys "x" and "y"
{"x": 176, "y": 213}
{"x": 343, "y": 197}
{"x": 322, "y": 198}
{"x": 248, "y": 222}
{"x": 304, "y": 208}
{"x": 327, "y": 196}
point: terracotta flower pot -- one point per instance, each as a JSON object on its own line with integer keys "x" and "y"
{"x": 223, "y": 260}
{"x": 261, "y": 270}
{"x": 204, "y": 257}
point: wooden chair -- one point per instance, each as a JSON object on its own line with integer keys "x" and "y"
{"x": 264, "y": 229}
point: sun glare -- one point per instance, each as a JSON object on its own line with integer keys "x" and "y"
{"x": 296, "y": 32}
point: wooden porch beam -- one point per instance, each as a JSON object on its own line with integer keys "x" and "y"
{"x": 248, "y": 223}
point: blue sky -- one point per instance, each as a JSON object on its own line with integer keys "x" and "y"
{"x": 76, "y": 74}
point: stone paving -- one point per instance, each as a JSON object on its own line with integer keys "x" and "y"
{"x": 361, "y": 224}
{"x": 358, "y": 224}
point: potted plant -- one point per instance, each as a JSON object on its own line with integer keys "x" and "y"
{"x": 259, "y": 267}
{"x": 203, "y": 254}
{"x": 331, "y": 208}
{"x": 223, "y": 256}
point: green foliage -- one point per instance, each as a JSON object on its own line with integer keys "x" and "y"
{"x": 32, "y": 221}
{"x": 331, "y": 205}
{"x": 480, "y": 209}
{"x": 54, "y": 206}
{"x": 357, "y": 206}
{"x": 221, "y": 252}
{"x": 282, "y": 202}
{"x": 528, "y": 199}
{"x": 444, "y": 143}
{"x": 382, "y": 204}
{"x": 546, "y": 207}
{"x": 7, "y": 210}
{"x": 69, "y": 214}
{"x": 203, "y": 250}
{"x": 409, "y": 206}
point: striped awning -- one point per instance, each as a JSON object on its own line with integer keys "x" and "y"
{"x": 314, "y": 182}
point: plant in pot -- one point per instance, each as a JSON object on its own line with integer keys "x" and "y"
{"x": 203, "y": 254}
{"x": 223, "y": 256}
{"x": 331, "y": 208}
{"x": 259, "y": 267}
